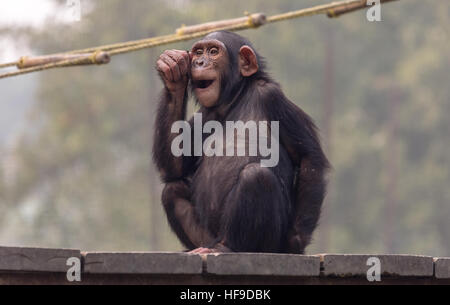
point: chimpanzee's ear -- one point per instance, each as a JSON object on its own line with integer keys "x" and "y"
{"x": 248, "y": 63}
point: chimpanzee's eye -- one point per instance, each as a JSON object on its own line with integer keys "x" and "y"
{"x": 214, "y": 51}
{"x": 198, "y": 52}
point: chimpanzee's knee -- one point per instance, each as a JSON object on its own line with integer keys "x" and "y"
{"x": 256, "y": 178}
{"x": 257, "y": 215}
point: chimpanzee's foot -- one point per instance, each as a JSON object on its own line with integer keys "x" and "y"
{"x": 203, "y": 251}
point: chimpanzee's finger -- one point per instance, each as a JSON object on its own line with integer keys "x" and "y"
{"x": 164, "y": 70}
{"x": 190, "y": 55}
{"x": 187, "y": 60}
{"x": 173, "y": 67}
{"x": 177, "y": 56}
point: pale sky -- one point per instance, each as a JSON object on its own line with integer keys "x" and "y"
{"x": 26, "y": 13}
{"x": 15, "y": 104}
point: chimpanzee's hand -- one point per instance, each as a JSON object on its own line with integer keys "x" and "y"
{"x": 173, "y": 67}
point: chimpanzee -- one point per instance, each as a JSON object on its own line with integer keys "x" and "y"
{"x": 232, "y": 203}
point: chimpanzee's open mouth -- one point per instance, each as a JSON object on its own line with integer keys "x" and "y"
{"x": 203, "y": 84}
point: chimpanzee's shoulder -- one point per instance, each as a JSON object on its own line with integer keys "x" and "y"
{"x": 270, "y": 93}
{"x": 268, "y": 88}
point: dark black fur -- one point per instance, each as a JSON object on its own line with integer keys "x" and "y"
{"x": 232, "y": 201}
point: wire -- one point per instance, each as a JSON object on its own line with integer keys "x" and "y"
{"x": 252, "y": 21}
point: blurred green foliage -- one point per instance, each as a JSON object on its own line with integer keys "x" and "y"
{"x": 83, "y": 175}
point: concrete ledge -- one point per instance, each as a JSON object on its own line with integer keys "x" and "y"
{"x": 35, "y": 259}
{"x": 263, "y": 264}
{"x": 36, "y": 266}
{"x": 442, "y": 267}
{"x": 347, "y": 265}
{"x": 142, "y": 263}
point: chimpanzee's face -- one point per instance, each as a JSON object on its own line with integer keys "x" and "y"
{"x": 209, "y": 64}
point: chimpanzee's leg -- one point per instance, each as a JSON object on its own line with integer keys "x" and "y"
{"x": 256, "y": 216}
{"x": 181, "y": 217}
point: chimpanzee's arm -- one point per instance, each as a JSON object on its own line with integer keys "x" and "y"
{"x": 299, "y": 137}
{"x": 173, "y": 67}
{"x": 171, "y": 109}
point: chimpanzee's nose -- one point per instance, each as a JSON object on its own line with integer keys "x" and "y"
{"x": 199, "y": 62}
